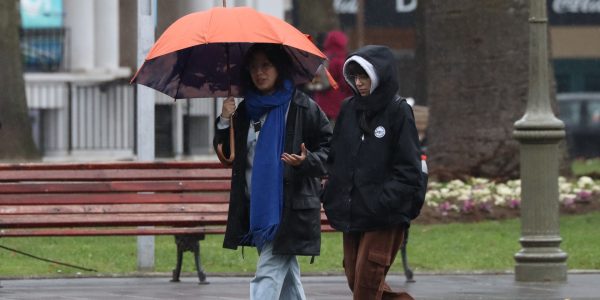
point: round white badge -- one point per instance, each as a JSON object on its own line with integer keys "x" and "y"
{"x": 379, "y": 131}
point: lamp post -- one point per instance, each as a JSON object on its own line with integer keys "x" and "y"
{"x": 539, "y": 133}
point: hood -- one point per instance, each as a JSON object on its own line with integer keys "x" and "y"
{"x": 380, "y": 65}
{"x": 335, "y": 43}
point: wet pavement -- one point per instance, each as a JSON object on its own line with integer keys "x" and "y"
{"x": 427, "y": 287}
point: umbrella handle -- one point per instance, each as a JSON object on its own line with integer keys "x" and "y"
{"x": 224, "y": 160}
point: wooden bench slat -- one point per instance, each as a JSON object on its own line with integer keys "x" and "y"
{"x": 120, "y": 231}
{"x": 110, "y": 231}
{"x": 115, "y": 186}
{"x": 114, "y": 208}
{"x": 121, "y": 198}
{"x": 127, "y": 219}
{"x": 114, "y": 165}
{"x": 111, "y": 175}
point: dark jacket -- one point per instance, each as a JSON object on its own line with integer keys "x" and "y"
{"x": 373, "y": 182}
{"x": 299, "y": 232}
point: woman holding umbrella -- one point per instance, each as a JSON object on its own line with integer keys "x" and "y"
{"x": 281, "y": 145}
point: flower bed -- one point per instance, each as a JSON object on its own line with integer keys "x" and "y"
{"x": 481, "y": 199}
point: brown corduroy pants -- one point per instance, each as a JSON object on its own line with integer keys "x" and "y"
{"x": 367, "y": 259}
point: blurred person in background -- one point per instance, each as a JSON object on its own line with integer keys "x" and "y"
{"x": 328, "y": 98}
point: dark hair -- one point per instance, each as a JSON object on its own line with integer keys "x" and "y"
{"x": 353, "y": 68}
{"x": 276, "y": 55}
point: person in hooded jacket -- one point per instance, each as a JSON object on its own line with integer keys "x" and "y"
{"x": 330, "y": 99}
{"x": 374, "y": 172}
{"x": 281, "y": 145}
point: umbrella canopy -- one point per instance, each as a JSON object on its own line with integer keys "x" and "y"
{"x": 200, "y": 54}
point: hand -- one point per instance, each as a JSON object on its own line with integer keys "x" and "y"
{"x": 228, "y": 108}
{"x": 295, "y": 159}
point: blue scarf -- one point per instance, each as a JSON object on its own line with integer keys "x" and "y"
{"x": 266, "y": 195}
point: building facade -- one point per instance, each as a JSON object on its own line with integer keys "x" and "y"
{"x": 79, "y": 56}
{"x": 574, "y": 36}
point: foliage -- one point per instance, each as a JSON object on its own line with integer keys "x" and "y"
{"x": 582, "y": 167}
{"x": 483, "y": 194}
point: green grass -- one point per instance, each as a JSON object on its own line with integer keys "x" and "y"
{"x": 485, "y": 246}
{"x": 582, "y": 167}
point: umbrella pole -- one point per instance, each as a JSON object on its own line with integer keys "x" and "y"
{"x": 224, "y": 3}
{"x": 224, "y": 160}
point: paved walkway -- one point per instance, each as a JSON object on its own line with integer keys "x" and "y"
{"x": 426, "y": 287}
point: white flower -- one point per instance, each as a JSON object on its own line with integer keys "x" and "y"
{"x": 432, "y": 204}
{"x": 514, "y": 183}
{"x": 585, "y": 182}
{"x": 565, "y": 187}
{"x": 464, "y": 197}
{"x": 499, "y": 201}
{"x": 566, "y": 197}
{"x": 479, "y": 181}
{"x": 482, "y": 194}
{"x": 433, "y": 196}
{"x": 444, "y": 192}
{"x": 456, "y": 183}
{"x": 504, "y": 190}
{"x": 453, "y": 195}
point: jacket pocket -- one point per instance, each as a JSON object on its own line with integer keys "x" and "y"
{"x": 398, "y": 197}
{"x": 374, "y": 269}
{"x": 305, "y": 202}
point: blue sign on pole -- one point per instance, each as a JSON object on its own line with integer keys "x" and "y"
{"x": 41, "y": 13}
{"x": 42, "y": 35}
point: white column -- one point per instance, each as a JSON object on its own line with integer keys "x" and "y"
{"x": 274, "y": 8}
{"x": 145, "y": 117}
{"x": 190, "y": 6}
{"x": 106, "y": 24}
{"x": 178, "y": 136}
{"x": 249, "y": 3}
{"x": 79, "y": 19}
{"x": 63, "y": 122}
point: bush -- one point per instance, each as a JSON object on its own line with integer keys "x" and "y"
{"x": 483, "y": 195}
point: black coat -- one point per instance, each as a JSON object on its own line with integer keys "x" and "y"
{"x": 299, "y": 231}
{"x": 373, "y": 181}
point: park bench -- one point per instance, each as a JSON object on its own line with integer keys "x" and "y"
{"x": 184, "y": 199}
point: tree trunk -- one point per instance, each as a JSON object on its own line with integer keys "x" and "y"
{"x": 15, "y": 129}
{"x": 476, "y": 67}
{"x": 315, "y": 17}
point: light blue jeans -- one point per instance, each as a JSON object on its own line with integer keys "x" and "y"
{"x": 277, "y": 277}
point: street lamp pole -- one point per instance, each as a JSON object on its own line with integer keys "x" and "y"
{"x": 539, "y": 133}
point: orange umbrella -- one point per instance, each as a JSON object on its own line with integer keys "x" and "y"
{"x": 200, "y": 54}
